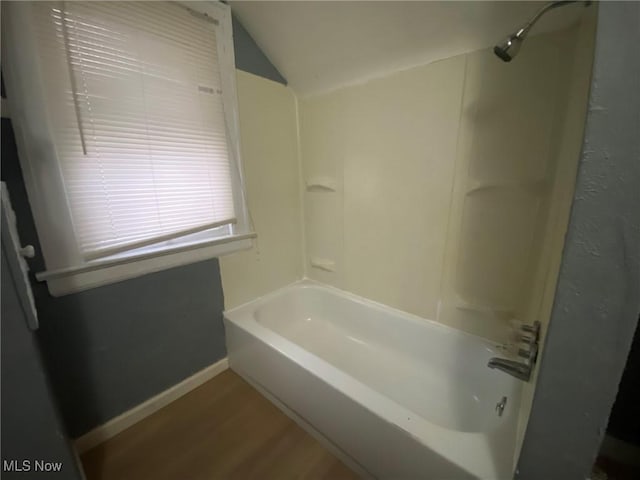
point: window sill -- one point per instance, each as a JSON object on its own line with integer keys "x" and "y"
{"x": 103, "y": 272}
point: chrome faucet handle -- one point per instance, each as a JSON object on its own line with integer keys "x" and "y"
{"x": 530, "y": 355}
{"x": 528, "y": 339}
{"x": 533, "y": 329}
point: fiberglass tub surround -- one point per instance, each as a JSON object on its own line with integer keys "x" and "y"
{"x": 442, "y": 191}
{"x": 422, "y": 390}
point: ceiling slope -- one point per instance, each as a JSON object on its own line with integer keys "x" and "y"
{"x": 319, "y": 46}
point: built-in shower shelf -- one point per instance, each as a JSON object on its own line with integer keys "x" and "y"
{"x": 535, "y": 187}
{"x": 497, "y": 310}
{"x": 323, "y": 264}
{"x": 321, "y": 184}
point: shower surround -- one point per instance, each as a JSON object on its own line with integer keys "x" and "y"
{"x": 441, "y": 194}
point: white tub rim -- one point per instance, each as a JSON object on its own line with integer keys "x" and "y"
{"x": 306, "y": 282}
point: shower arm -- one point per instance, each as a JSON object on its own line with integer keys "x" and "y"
{"x": 549, "y": 6}
{"x": 509, "y": 48}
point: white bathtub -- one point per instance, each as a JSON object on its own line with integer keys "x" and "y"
{"x": 398, "y": 395}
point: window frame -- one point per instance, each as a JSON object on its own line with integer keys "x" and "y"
{"x": 66, "y": 270}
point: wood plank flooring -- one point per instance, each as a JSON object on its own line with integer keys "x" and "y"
{"x": 222, "y": 430}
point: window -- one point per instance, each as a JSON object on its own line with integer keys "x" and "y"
{"x": 126, "y": 120}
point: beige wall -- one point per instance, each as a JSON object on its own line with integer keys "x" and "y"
{"x": 566, "y": 152}
{"x": 270, "y": 159}
{"x": 444, "y": 178}
{"x": 504, "y": 183}
{"x": 390, "y": 146}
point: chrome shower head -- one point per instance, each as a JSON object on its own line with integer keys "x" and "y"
{"x": 510, "y": 47}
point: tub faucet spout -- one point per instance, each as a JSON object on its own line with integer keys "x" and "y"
{"x": 519, "y": 370}
{"x": 529, "y": 335}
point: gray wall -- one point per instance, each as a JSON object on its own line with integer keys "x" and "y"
{"x": 110, "y": 348}
{"x": 249, "y": 56}
{"x": 37, "y": 433}
{"x": 113, "y": 347}
{"x": 598, "y": 294}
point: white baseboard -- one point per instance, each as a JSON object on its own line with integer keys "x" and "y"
{"x": 139, "y": 412}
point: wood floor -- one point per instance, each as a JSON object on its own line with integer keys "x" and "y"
{"x": 223, "y": 429}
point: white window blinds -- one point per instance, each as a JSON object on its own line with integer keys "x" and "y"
{"x": 135, "y": 104}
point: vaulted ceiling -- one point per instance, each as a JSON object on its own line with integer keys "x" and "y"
{"x": 321, "y": 45}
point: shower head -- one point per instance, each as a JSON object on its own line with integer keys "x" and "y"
{"x": 509, "y": 48}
